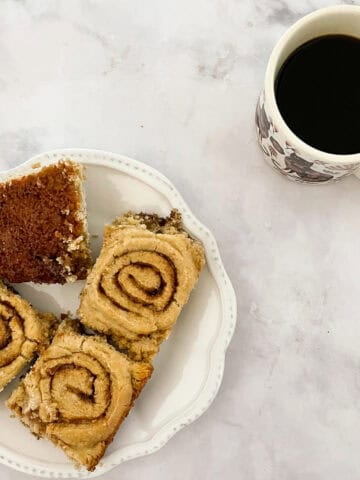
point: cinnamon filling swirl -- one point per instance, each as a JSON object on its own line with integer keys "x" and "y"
{"x": 78, "y": 393}
{"x": 143, "y": 277}
{"x": 24, "y": 332}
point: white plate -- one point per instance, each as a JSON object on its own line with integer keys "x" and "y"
{"x": 189, "y": 368}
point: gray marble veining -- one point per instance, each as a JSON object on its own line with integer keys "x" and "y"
{"x": 174, "y": 84}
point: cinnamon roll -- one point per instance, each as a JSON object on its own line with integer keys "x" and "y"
{"x": 78, "y": 393}
{"x": 24, "y": 332}
{"x": 143, "y": 277}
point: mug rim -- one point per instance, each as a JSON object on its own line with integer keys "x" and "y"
{"x": 269, "y": 89}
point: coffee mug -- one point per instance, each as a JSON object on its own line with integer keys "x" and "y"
{"x": 283, "y": 150}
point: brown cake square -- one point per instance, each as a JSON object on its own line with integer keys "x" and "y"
{"x": 43, "y": 230}
{"x": 78, "y": 393}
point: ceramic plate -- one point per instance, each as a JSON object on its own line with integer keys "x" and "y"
{"x": 189, "y": 367}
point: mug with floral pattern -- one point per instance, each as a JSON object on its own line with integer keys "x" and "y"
{"x": 282, "y": 149}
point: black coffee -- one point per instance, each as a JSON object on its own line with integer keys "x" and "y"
{"x": 318, "y": 93}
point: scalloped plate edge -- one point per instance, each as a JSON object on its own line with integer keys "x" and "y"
{"x": 206, "y": 396}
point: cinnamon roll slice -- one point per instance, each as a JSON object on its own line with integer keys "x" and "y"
{"x": 24, "y": 332}
{"x": 78, "y": 393}
{"x": 143, "y": 277}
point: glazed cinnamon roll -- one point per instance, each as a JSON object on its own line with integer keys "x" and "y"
{"x": 24, "y": 332}
{"x": 143, "y": 277}
{"x": 78, "y": 393}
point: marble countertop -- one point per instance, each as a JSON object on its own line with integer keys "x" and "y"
{"x": 174, "y": 84}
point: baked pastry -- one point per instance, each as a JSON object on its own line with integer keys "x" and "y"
{"x": 24, "y": 332}
{"x": 143, "y": 277}
{"x": 78, "y": 393}
{"x": 43, "y": 231}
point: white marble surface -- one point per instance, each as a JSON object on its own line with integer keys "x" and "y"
{"x": 174, "y": 84}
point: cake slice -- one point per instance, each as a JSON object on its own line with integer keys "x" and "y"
{"x": 24, "y": 332}
{"x": 43, "y": 230}
{"x": 78, "y": 393}
{"x": 143, "y": 277}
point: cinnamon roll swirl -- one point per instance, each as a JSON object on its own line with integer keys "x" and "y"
{"x": 78, "y": 393}
{"x": 143, "y": 277}
{"x": 24, "y": 332}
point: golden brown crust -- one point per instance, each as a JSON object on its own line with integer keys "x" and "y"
{"x": 143, "y": 277}
{"x": 78, "y": 393}
{"x": 151, "y": 221}
{"x": 81, "y": 388}
{"x": 24, "y": 332}
{"x": 43, "y": 232}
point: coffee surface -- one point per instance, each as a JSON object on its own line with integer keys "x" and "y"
{"x": 318, "y": 93}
